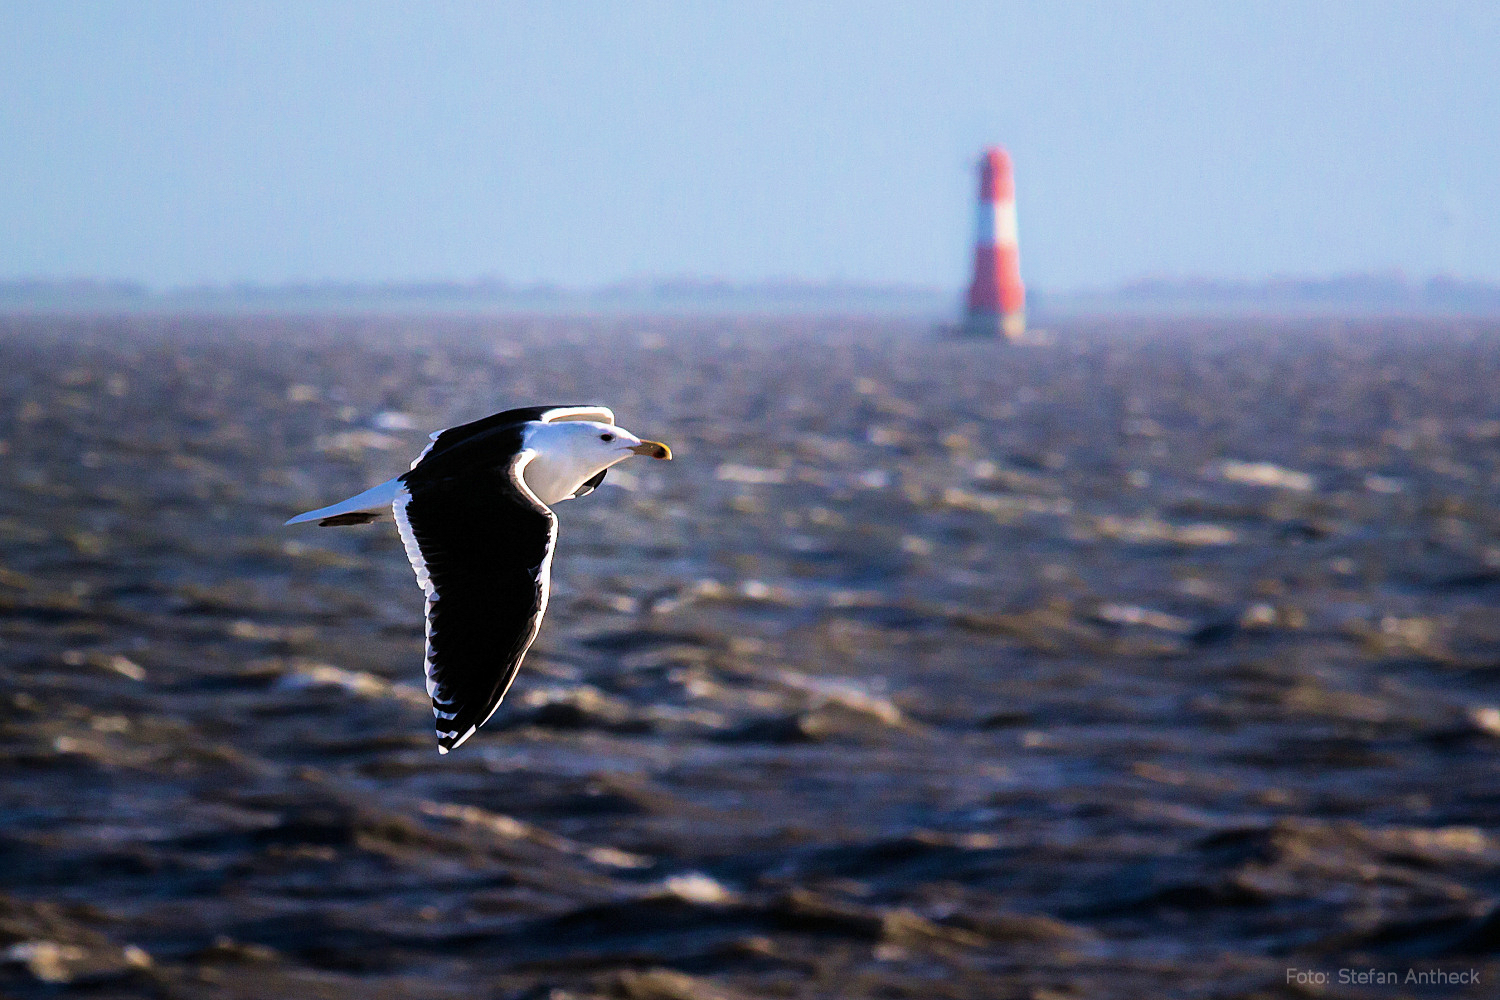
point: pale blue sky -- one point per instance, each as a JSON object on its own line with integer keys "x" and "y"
{"x": 583, "y": 143}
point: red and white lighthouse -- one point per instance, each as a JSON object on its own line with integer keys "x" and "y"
{"x": 997, "y": 299}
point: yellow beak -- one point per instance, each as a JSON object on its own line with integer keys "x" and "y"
{"x": 655, "y": 449}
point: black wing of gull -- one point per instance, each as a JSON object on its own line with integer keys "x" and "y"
{"x": 481, "y": 544}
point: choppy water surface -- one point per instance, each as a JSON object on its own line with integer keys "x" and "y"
{"x": 1150, "y": 663}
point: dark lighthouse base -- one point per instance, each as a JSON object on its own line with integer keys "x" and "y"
{"x": 1011, "y": 326}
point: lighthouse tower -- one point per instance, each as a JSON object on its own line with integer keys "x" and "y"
{"x": 997, "y": 299}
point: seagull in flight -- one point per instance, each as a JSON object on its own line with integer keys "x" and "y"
{"x": 475, "y": 515}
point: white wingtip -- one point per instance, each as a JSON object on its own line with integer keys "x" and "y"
{"x": 461, "y": 740}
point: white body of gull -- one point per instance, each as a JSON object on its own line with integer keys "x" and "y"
{"x": 475, "y": 516}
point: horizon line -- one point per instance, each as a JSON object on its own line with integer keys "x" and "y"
{"x": 1389, "y": 278}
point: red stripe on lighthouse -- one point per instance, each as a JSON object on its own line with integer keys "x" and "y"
{"x": 993, "y": 290}
{"x": 995, "y": 180}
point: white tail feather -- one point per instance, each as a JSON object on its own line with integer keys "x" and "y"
{"x": 376, "y": 496}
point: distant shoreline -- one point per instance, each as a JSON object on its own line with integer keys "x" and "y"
{"x": 1353, "y": 295}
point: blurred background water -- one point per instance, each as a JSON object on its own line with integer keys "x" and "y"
{"x": 1149, "y": 663}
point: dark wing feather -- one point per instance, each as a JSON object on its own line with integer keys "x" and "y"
{"x": 481, "y": 545}
{"x": 354, "y": 517}
{"x": 590, "y": 485}
{"x": 448, "y": 437}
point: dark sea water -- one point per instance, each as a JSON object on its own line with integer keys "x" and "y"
{"x": 1155, "y": 662}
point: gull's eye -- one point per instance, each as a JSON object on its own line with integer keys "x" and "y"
{"x": 606, "y": 437}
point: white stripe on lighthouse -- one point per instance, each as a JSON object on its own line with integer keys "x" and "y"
{"x": 997, "y": 224}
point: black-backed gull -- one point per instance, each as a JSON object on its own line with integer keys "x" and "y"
{"x": 475, "y": 516}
